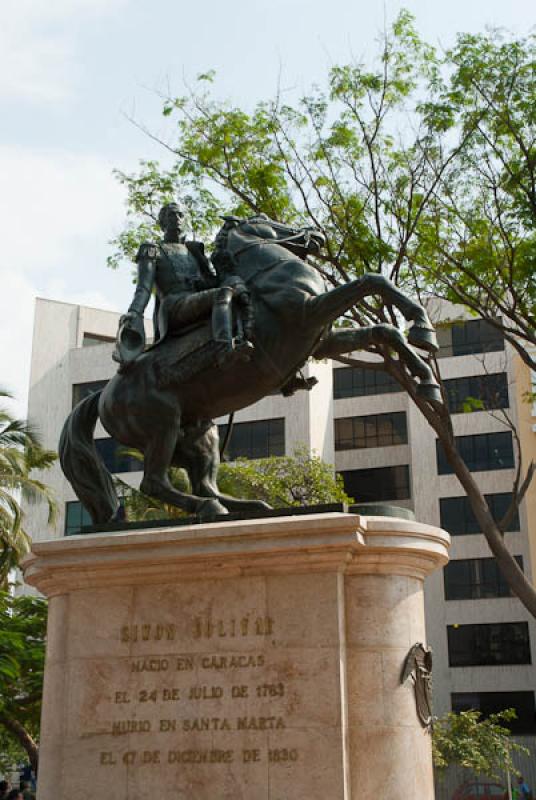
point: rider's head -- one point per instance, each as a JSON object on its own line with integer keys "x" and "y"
{"x": 171, "y": 216}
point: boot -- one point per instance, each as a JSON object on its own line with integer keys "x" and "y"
{"x": 229, "y": 351}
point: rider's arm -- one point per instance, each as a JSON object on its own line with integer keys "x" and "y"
{"x": 146, "y": 259}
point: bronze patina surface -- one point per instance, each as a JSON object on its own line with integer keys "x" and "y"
{"x": 228, "y": 332}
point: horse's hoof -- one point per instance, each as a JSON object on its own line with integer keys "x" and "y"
{"x": 423, "y": 338}
{"x": 210, "y": 508}
{"x": 430, "y": 392}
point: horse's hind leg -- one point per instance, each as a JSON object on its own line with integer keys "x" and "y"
{"x": 333, "y": 304}
{"x": 346, "y": 341}
{"x": 203, "y": 460}
{"x": 155, "y": 483}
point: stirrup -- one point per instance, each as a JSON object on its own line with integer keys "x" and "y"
{"x": 229, "y": 355}
{"x": 244, "y": 348}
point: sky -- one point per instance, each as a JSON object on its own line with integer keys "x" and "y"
{"x": 74, "y": 72}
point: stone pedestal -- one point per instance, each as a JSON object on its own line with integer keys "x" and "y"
{"x": 254, "y": 660}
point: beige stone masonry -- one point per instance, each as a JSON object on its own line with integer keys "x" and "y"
{"x": 244, "y": 660}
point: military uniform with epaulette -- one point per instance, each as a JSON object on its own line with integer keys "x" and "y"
{"x": 187, "y": 291}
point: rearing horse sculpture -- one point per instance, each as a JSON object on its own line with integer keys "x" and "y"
{"x": 167, "y": 411}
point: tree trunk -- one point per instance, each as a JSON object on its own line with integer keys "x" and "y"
{"x": 25, "y": 740}
{"x": 512, "y": 573}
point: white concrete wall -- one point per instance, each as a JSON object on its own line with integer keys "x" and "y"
{"x": 58, "y": 362}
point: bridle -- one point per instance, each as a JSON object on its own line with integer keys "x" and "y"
{"x": 260, "y": 240}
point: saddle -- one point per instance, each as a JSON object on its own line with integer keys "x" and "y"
{"x": 180, "y": 356}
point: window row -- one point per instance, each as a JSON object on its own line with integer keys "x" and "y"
{"x": 466, "y": 337}
{"x": 490, "y": 644}
{"x": 458, "y": 519}
{"x": 481, "y": 452}
{"x": 477, "y": 392}
{"x": 372, "y": 430}
{"x": 259, "y": 439}
{"x": 83, "y": 390}
{"x": 92, "y": 339}
{"x": 115, "y": 456}
{"x": 493, "y": 702}
{"x": 377, "y": 484}
{"x": 359, "y": 382}
{"x": 475, "y": 579}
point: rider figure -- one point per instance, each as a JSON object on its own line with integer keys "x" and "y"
{"x": 187, "y": 291}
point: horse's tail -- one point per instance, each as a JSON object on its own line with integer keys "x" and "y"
{"x": 82, "y": 465}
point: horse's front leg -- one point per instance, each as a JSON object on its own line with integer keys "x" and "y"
{"x": 158, "y": 457}
{"x": 202, "y": 460}
{"x": 331, "y": 305}
{"x": 338, "y": 343}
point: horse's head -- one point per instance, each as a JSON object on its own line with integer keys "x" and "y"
{"x": 300, "y": 241}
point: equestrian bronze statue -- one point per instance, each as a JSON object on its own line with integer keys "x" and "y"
{"x": 227, "y": 335}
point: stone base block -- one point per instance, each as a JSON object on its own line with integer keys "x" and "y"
{"x": 255, "y": 660}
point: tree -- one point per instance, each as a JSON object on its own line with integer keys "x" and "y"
{"x": 22, "y": 659}
{"x": 298, "y": 480}
{"x": 421, "y": 168}
{"x": 20, "y": 453}
{"x": 484, "y": 746}
{"x": 479, "y": 232}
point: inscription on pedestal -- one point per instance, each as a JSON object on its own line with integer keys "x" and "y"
{"x": 197, "y": 699}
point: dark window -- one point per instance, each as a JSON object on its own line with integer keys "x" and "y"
{"x": 256, "y": 439}
{"x": 472, "y": 336}
{"x": 492, "y": 644}
{"x": 475, "y": 579}
{"x": 481, "y": 451}
{"x": 359, "y": 382}
{"x": 91, "y": 339}
{"x": 493, "y": 702}
{"x": 82, "y": 390}
{"x": 458, "y": 519}
{"x": 75, "y": 517}
{"x": 378, "y": 484}
{"x": 374, "y": 430}
{"x": 114, "y": 457}
{"x": 490, "y": 391}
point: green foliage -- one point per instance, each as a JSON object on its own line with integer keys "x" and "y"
{"x": 484, "y": 746}
{"x": 298, "y": 480}
{"x": 22, "y": 657}
{"x": 471, "y": 404}
{"x": 477, "y": 238}
{"x": 333, "y": 160}
{"x": 11, "y": 752}
{"x": 150, "y": 189}
{"x": 418, "y": 165}
{"x": 20, "y": 453}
